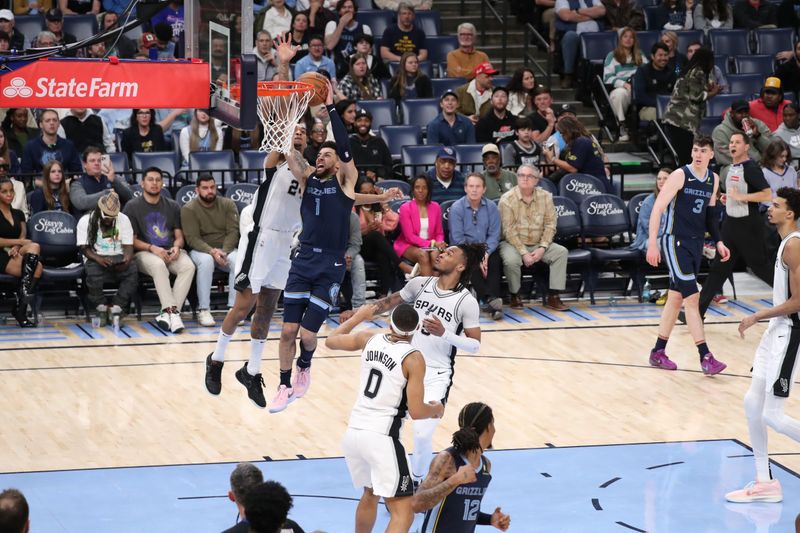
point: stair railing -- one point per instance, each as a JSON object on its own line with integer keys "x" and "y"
{"x": 502, "y": 18}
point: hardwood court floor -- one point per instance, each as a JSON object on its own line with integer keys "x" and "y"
{"x": 78, "y": 398}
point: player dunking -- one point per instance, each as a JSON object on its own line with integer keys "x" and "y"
{"x": 392, "y": 373}
{"x": 449, "y": 309}
{"x": 775, "y": 361}
{"x": 689, "y": 198}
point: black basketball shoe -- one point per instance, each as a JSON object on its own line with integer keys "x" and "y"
{"x": 213, "y": 376}
{"x": 254, "y": 386}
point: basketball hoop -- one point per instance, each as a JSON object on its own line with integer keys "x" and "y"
{"x": 281, "y": 104}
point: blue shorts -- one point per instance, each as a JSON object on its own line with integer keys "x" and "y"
{"x": 312, "y": 287}
{"x": 683, "y": 258}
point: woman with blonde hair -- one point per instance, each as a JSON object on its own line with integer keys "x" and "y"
{"x": 201, "y": 135}
{"x": 408, "y": 81}
{"x": 619, "y": 67}
{"x": 359, "y": 83}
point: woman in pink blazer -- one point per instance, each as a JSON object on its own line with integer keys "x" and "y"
{"x": 421, "y": 234}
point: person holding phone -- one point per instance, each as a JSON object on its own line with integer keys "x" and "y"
{"x": 97, "y": 179}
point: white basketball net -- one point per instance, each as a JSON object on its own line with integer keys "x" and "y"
{"x": 280, "y": 113}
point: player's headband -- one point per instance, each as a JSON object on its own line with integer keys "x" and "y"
{"x": 397, "y": 330}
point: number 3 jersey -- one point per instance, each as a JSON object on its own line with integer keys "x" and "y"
{"x": 381, "y": 403}
{"x": 686, "y": 213}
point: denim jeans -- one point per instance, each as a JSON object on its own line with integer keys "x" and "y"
{"x": 206, "y": 265}
{"x": 569, "y": 50}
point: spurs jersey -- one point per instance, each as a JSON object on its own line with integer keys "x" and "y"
{"x": 279, "y": 210}
{"x": 381, "y": 404}
{"x": 457, "y": 310}
{"x": 780, "y": 286}
{"x": 686, "y": 213}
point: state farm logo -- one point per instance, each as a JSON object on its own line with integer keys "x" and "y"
{"x": 17, "y": 87}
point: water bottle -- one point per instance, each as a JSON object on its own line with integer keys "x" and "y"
{"x": 646, "y": 291}
{"x": 612, "y": 302}
{"x": 116, "y": 324}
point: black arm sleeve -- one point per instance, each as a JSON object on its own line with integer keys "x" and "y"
{"x": 340, "y": 135}
{"x": 712, "y": 223}
{"x": 484, "y": 519}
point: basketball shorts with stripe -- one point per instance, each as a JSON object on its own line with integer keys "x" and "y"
{"x": 775, "y": 360}
{"x": 377, "y": 461}
{"x": 683, "y": 258}
{"x": 270, "y": 263}
{"x": 437, "y": 383}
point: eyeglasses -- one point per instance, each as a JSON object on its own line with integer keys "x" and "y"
{"x": 527, "y": 176}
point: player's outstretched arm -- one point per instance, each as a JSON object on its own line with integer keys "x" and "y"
{"x": 414, "y": 371}
{"x": 342, "y": 339}
{"x": 388, "y": 303}
{"x": 285, "y": 52}
{"x": 348, "y": 174}
{"x": 668, "y": 191}
{"x": 442, "y": 479}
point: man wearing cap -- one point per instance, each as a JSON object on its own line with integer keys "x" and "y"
{"x": 497, "y": 125}
{"x": 105, "y": 238}
{"x": 474, "y": 97}
{"x": 370, "y": 152}
{"x": 462, "y": 61}
{"x": 404, "y": 36}
{"x": 449, "y": 127}
{"x": 16, "y": 39}
{"x": 738, "y": 120}
{"x": 54, "y": 23}
{"x": 447, "y": 183}
{"x": 652, "y": 79}
{"x": 769, "y": 107}
{"x": 497, "y": 180}
{"x": 523, "y": 150}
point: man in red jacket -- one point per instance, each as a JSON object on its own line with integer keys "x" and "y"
{"x": 769, "y": 107}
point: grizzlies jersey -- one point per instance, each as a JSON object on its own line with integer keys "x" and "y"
{"x": 686, "y": 213}
{"x": 325, "y": 211}
{"x": 458, "y": 511}
{"x": 280, "y": 208}
{"x": 780, "y": 286}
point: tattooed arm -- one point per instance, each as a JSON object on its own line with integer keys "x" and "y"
{"x": 442, "y": 479}
{"x": 299, "y": 167}
{"x": 388, "y": 303}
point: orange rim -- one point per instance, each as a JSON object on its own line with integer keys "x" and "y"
{"x": 282, "y": 88}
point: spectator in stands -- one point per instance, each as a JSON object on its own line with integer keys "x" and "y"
{"x": 15, "y": 126}
{"x": 276, "y": 20}
{"x": 54, "y": 23}
{"x": 421, "y": 234}
{"x": 48, "y": 145}
{"x": 789, "y": 131}
{"x": 144, "y": 134}
{"x": 340, "y": 37}
{"x": 164, "y": 45}
{"x": 717, "y": 75}
{"x": 462, "y": 61}
{"x": 738, "y": 120}
{"x": 618, "y": 69}
{"x": 789, "y": 71}
{"x": 14, "y": 511}
{"x": 522, "y": 83}
{"x": 364, "y": 45}
{"x": 674, "y": 15}
{"x": 20, "y": 200}
{"x": 528, "y": 220}
{"x": 19, "y": 257}
{"x": 119, "y": 45}
{"x": 8, "y": 155}
{"x": 573, "y": 18}
{"x": 543, "y": 118}
{"x": 713, "y": 15}
{"x": 44, "y": 39}
{"x": 375, "y": 221}
{"x": 409, "y": 81}
{"x": 84, "y": 128}
{"x": 318, "y": 135}
{"x": 347, "y": 111}
{"x": 299, "y": 34}
{"x": 98, "y": 176}
{"x": 79, "y": 7}
{"x": 53, "y": 194}
{"x": 318, "y": 16}
{"x": 447, "y": 183}
{"x": 244, "y": 478}
{"x": 776, "y": 169}
{"x": 788, "y": 14}
{"x": 201, "y": 135}
{"x": 352, "y": 293}
{"x": 359, "y": 83}
{"x": 651, "y": 80}
{"x": 16, "y": 39}
{"x": 676, "y": 59}
{"x": 475, "y": 218}
{"x": 370, "y": 153}
{"x": 5, "y": 42}
{"x": 266, "y": 506}
{"x": 752, "y": 14}
{"x": 474, "y": 97}
{"x": 403, "y": 37}
{"x": 497, "y": 125}
{"x": 768, "y": 108}
{"x": 394, "y": 4}
{"x": 523, "y": 150}
{"x": 623, "y": 13}
{"x": 687, "y": 104}
{"x": 265, "y": 56}
{"x": 158, "y": 242}
{"x": 211, "y": 230}
{"x": 93, "y": 51}
{"x": 315, "y": 61}
{"x": 581, "y": 154}
{"x": 105, "y": 238}
{"x": 497, "y": 180}
{"x": 646, "y": 209}
{"x": 449, "y": 127}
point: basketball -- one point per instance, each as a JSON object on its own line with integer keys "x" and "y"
{"x": 320, "y": 85}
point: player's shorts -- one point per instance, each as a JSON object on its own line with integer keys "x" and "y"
{"x": 377, "y": 461}
{"x": 313, "y": 287}
{"x": 270, "y": 262}
{"x": 776, "y": 358}
{"x": 437, "y": 383}
{"x": 683, "y": 258}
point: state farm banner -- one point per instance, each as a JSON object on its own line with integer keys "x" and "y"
{"x": 105, "y": 83}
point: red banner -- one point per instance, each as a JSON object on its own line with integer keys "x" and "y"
{"x": 106, "y": 83}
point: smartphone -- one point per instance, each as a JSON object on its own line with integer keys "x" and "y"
{"x": 105, "y": 160}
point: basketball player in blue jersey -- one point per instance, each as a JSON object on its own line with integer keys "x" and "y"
{"x": 451, "y": 494}
{"x": 689, "y": 198}
{"x": 775, "y": 362}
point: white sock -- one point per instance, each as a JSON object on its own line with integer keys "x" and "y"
{"x": 423, "y": 446}
{"x": 256, "y": 349}
{"x": 754, "y": 409}
{"x": 222, "y": 343}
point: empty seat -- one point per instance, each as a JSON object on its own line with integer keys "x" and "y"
{"x": 212, "y": 162}
{"x": 29, "y": 26}
{"x": 661, "y": 104}
{"x": 384, "y": 112}
{"x": 253, "y": 160}
{"x": 242, "y": 194}
{"x": 429, "y": 21}
{"x": 165, "y": 161}
{"x": 418, "y": 159}
{"x": 646, "y": 41}
{"x": 419, "y": 111}
{"x": 634, "y": 205}
{"x": 717, "y": 105}
{"x": 445, "y": 207}
{"x": 723, "y": 62}
{"x": 185, "y": 194}
{"x": 439, "y": 47}
{"x": 377, "y": 20}
{"x": 469, "y": 156}
{"x": 81, "y": 26}
{"x": 442, "y": 85}
{"x": 396, "y": 137}
{"x": 501, "y": 81}
{"x": 119, "y": 160}
{"x": 747, "y": 84}
{"x": 548, "y": 186}
{"x": 729, "y": 42}
{"x": 707, "y": 124}
{"x": 651, "y": 16}
{"x": 595, "y": 46}
{"x": 576, "y": 187}
{"x": 755, "y": 64}
{"x": 773, "y": 40}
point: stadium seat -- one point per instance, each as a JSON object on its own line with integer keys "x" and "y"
{"x": 747, "y": 84}
{"x": 396, "y": 137}
{"x": 755, "y": 64}
{"x": 137, "y": 191}
{"x": 81, "y": 26}
{"x": 729, "y": 42}
{"x": 650, "y": 16}
{"x": 384, "y": 112}
{"x": 717, "y": 105}
{"x": 548, "y": 186}
{"x": 469, "y": 157}
{"x": 212, "y": 161}
{"x": 426, "y": 67}
{"x": 576, "y": 187}
{"x": 707, "y": 124}
{"x": 254, "y": 160}
{"x": 646, "y": 41}
{"x": 445, "y": 207}
{"x": 634, "y": 204}
{"x": 439, "y": 47}
{"x": 364, "y": 5}
{"x": 185, "y": 194}
{"x": 419, "y": 111}
{"x": 687, "y": 37}
{"x": 442, "y": 85}
{"x": 774, "y": 40}
{"x": 119, "y": 160}
{"x": 418, "y": 159}
{"x": 400, "y": 184}
{"x": 430, "y": 22}
{"x": 723, "y": 62}
{"x": 377, "y": 20}
{"x": 595, "y": 46}
{"x": 568, "y": 228}
{"x": 501, "y": 81}
{"x": 166, "y": 161}
{"x": 242, "y": 194}
{"x": 29, "y": 26}
{"x": 661, "y": 104}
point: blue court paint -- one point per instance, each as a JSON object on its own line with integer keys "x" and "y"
{"x": 661, "y": 487}
{"x": 541, "y": 315}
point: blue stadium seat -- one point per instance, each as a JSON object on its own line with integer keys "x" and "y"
{"x": 576, "y": 187}
{"x": 429, "y": 21}
{"x": 445, "y": 207}
{"x": 119, "y": 160}
{"x": 242, "y": 194}
{"x": 384, "y": 112}
{"x": 419, "y": 111}
{"x": 634, "y": 204}
{"x": 185, "y": 194}
{"x": 211, "y": 162}
{"x": 425, "y": 67}
{"x": 548, "y": 186}
{"x": 755, "y": 64}
{"x": 400, "y": 184}
{"x": 364, "y": 5}
{"x": 717, "y": 105}
{"x": 166, "y": 161}
{"x": 729, "y": 42}
{"x": 442, "y": 85}
{"x": 687, "y": 37}
{"x": 646, "y": 41}
{"x": 81, "y": 26}
{"x": 595, "y": 46}
{"x": 418, "y": 159}
{"x": 377, "y": 20}
{"x": 29, "y": 26}
{"x": 569, "y": 227}
{"x": 396, "y": 137}
{"x": 501, "y": 81}
{"x": 774, "y": 40}
{"x": 723, "y": 62}
{"x": 252, "y": 159}
{"x": 469, "y": 157}
{"x": 747, "y": 84}
{"x": 707, "y": 124}
{"x": 650, "y": 17}
{"x": 439, "y": 47}
{"x": 661, "y": 104}
{"x": 137, "y": 191}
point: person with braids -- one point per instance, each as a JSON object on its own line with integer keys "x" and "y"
{"x": 449, "y": 309}
{"x": 452, "y": 492}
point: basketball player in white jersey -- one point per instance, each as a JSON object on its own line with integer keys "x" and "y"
{"x": 775, "y": 361}
{"x": 449, "y": 309}
{"x": 391, "y": 384}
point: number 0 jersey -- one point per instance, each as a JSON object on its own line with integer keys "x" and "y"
{"x": 686, "y": 213}
{"x": 280, "y": 208}
{"x": 381, "y": 403}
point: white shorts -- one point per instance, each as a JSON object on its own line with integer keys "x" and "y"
{"x": 437, "y": 383}
{"x": 377, "y": 461}
{"x": 776, "y": 359}
{"x": 270, "y": 264}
